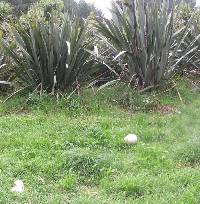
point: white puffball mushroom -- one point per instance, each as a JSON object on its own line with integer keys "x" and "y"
{"x": 18, "y": 186}
{"x": 131, "y": 139}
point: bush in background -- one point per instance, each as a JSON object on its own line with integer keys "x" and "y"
{"x": 6, "y": 10}
{"x": 143, "y": 42}
{"x": 43, "y": 9}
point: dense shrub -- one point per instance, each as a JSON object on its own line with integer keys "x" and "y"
{"x": 43, "y": 9}
{"x": 5, "y": 16}
{"x": 183, "y": 16}
{"x": 143, "y": 42}
{"x": 6, "y": 10}
{"x": 82, "y": 9}
{"x": 51, "y": 55}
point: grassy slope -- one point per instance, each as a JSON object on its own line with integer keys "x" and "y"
{"x": 73, "y": 152}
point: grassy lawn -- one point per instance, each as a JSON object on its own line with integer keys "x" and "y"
{"x": 72, "y": 151}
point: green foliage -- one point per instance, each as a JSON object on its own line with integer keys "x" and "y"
{"x": 51, "y": 55}
{"x": 5, "y": 14}
{"x": 5, "y": 72}
{"x": 43, "y": 9}
{"x": 185, "y": 12}
{"x": 6, "y": 10}
{"x": 88, "y": 165}
{"x": 135, "y": 101}
{"x": 128, "y": 187}
{"x": 189, "y": 152}
{"x": 86, "y": 9}
{"x": 192, "y": 60}
{"x": 68, "y": 182}
{"x": 142, "y": 42}
{"x": 82, "y": 9}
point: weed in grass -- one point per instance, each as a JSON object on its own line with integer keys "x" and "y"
{"x": 68, "y": 181}
{"x": 124, "y": 186}
{"x": 89, "y": 165}
{"x": 137, "y": 102}
{"x": 188, "y": 153}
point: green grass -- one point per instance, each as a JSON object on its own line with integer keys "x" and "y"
{"x": 72, "y": 151}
